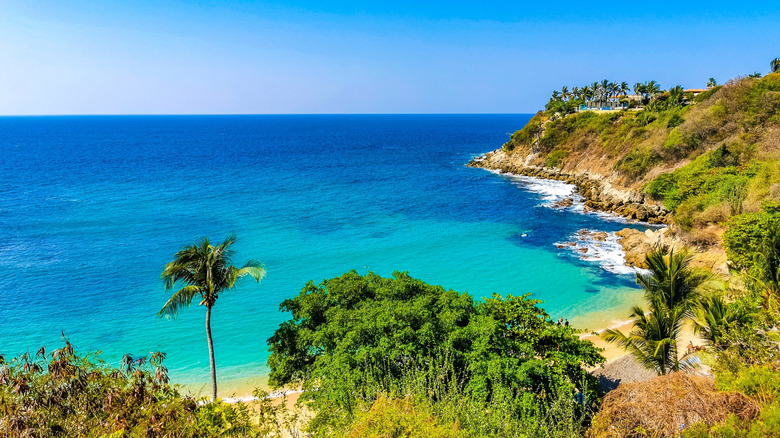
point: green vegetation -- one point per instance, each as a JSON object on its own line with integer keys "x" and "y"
{"x": 710, "y": 189}
{"x": 206, "y": 270}
{"x": 747, "y": 232}
{"x": 734, "y": 161}
{"x": 753, "y": 244}
{"x": 387, "y": 357}
{"x": 497, "y": 367}
{"x": 63, "y": 394}
{"x": 556, "y": 157}
{"x": 672, "y": 290}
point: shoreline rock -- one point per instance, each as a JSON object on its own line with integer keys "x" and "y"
{"x": 598, "y": 192}
{"x": 636, "y": 244}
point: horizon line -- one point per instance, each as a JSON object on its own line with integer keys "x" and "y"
{"x": 260, "y": 114}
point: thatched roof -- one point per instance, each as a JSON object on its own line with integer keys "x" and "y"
{"x": 665, "y": 405}
{"x": 624, "y": 369}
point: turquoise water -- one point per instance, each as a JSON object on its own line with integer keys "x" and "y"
{"x": 91, "y": 209}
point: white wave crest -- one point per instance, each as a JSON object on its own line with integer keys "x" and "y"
{"x": 551, "y": 191}
{"x": 607, "y": 253}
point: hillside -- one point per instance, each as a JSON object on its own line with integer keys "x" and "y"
{"x": 703, "y": 158}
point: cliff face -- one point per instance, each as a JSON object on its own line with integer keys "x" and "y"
{"x": 598, "y": 190}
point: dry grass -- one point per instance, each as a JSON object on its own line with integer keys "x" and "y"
{"x": 665, "y": 405}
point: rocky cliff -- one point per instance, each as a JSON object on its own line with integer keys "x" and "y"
{"x": 598, "y": 190}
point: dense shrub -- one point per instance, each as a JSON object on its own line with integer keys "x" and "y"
{"x": 555, "y": 158}
{"x": 719, "y": 177}
{"x": 529, "y": 135}
{"x": 637, "y": 162}
{"x": 674, "y": 121}
{"x": 353, "y": 337}
{"x": 746, "y": 233}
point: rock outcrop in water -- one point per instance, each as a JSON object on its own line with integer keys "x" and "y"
{"x": 597, "y": 190}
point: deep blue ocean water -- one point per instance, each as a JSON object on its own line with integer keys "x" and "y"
{"x": 91, "y": 209}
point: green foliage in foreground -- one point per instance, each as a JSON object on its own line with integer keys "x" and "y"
{"x": 753, "y": 240}
{"x": 495, "y": 367}
{"x": 63, "y": 394}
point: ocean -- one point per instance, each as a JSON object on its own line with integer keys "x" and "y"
{"x": 93, "y": 207}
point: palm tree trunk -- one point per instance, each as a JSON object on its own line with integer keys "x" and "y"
{"x": 211, "y": 355}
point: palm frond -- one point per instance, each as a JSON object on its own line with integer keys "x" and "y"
{"x": 182, "y": 298}
{"x": 253, "y": 268}
{"x": 177, "y": 271}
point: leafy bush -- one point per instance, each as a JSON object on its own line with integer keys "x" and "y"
{"x": 637, "y": 162}
{"x": 746, "y": 232}
{"x": 528, "y": 135}
{"x": 721, "y": 176}
{"x": 674, "y": 121}
{"x": 401, "y": 417}
{"x": 556, "y": 157}
{"x": 353, "y": 337}
{"x": 674, "y": 140}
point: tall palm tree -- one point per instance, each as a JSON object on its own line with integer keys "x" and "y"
{"x": 653, "y": 89}
{"x": 676, "y": 95}
{"x": 774, "y": 65}
{"x": 596, "y": 88}
{"x": 587, "y": 93}
{"x": 638, "y": 88}
{"x": 711, "y": 82}
{"x": 672, "y": 289}
{"x": 205, "y": 271}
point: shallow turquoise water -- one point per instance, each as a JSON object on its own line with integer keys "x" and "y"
{"x": 91, "y": 209}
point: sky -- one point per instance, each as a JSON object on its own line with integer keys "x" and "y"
{"x": 312, "y": 57}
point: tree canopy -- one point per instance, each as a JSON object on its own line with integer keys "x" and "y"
{"x": 352, "y": 337}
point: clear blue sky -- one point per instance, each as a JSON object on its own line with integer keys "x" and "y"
{"x": 214, "y": 57}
